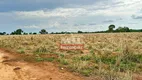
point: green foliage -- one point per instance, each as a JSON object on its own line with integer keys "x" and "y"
{"x": 25, "y": 33}
{"x": 107, "y": 52}
{"x": 125, "y": 66}
{"x": 22, "y": 51}
{"x": 111, "y": 27}
{"x": 85, "y": 58}
{"x": 122, "y": 29}
{"x": 63, "y": 61}
{"x": 135, "y": 30}
{"x": 38, "y": 59}
{"x": 2, "y": 33}
{"x": 136, "y": 58}
{"x": 96, "y": 59}
{"x": 128, "y": 62}
{"x": 17, "y": 32}
{"x": 61, "y": 55}
{"x": 34, "y": 33}
{"x": 50, "y": 59}
{"x": 80, "y": 32}
{"x": 86, "y": 72}
{"x": 30, "y": 33}
{"x": 43, "y": 31}
{"x": 108, "y": 60}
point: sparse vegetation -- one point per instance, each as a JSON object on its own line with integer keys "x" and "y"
{"x": 108, "y": 56}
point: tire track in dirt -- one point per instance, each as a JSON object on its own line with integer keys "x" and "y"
{"x": 12, "y": 69}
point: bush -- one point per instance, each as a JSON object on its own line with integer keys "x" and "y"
{"x": 86, "y": 72}
{"x": 108, "y": 60}
{"x": 63, "y": 61}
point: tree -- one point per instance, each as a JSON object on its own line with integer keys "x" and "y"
{"x": 80, "y": 32}
{"x": 30, "y": 33}
{"x": 17, "y": 32}
{"x": 126, "y": 29}
{"x": 111, "y": 27}
{"x": 25, "y": 33}
{"x": 122, "y": 29}
{"x": 43, "y": 31}
{"x": 2, "y": 33}
{"x": 119, "y": 29}
{"x": 34, "y": 33}
{"x": 52, "y": 33}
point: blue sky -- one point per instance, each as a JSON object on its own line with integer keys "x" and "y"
{"x": 69, "y": 15}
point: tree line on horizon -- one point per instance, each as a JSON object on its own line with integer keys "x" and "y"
{"x": 43, "y": 31}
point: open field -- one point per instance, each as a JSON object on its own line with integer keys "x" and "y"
{"x": 106, "y": 56}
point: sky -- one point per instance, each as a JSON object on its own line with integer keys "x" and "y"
{"x": 69, "y": 15}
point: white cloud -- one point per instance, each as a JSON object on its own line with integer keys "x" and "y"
{"x": 113, "y": 8}
{"x": 119, "y": 8}
{"x": 111, "y": 11}
{"x": 59, "y": 12}
{"x": 31, "y": 26}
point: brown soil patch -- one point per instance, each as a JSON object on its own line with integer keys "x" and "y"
{"x": 14, "y": 68}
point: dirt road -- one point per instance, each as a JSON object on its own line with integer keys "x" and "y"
{"x": 12, "y": 69}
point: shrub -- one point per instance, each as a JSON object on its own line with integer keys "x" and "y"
{"x": 86, "y": 72}
{"x": 63, "y": 61}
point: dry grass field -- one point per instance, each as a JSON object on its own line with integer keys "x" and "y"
{"x": 111, "y": 56}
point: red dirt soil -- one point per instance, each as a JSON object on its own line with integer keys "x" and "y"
{"x": 12, "y": 69}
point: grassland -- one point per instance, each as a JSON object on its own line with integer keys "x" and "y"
{"x": 109, "y": 55}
